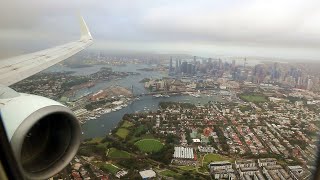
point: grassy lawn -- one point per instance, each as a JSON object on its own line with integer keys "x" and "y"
{"x": 169, "y": 173}
{"x": 127, "y": 124}
{"x": 145, "y": 136}
{"x": 149, "y": 145}
{"x": 214, "y": 157}
{"x": 203, "y": 169}
{"x": 254, "y": 98}
{"x": 110, "y": 168}
{"x": 122, "y": 132}
{"x": 115, "y": 153}
{"x": 103, "y": 145}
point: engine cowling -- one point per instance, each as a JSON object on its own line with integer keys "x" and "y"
{"x": 44, "y": 134}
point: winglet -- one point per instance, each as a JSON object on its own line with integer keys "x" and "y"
{"x": 85, "y": 33}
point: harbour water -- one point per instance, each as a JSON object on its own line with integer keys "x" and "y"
{"x": 104, "y": 124}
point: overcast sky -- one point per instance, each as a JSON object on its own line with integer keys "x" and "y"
{"x": 264, "y": 28}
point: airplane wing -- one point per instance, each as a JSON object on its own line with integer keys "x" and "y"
{"x": 15, "y": 69}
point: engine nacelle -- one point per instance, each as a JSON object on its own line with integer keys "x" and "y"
{"x": 44, "y": 134}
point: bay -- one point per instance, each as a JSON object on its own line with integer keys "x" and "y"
{"x": 104, "y": 124}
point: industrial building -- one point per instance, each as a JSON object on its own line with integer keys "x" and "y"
{"x": 147, "y": 174}
{"x": 183, "y": 153}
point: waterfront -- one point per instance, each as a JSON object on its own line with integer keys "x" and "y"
{"x": 104, "y": 124}
{"x": 126, "y": 82}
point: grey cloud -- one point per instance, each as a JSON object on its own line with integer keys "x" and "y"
{"x": 262, "y": 23}
{"x": 188, "y": 26}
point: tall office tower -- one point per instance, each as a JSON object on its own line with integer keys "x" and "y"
{"x": 210, "y": 60}
{"x": 245, "y": 63}
{"x": 180, "y": 64}
{"x": 177, "y": 66}
{"x": 309, "y": 84}
{"x": 193, "y": 70}
{"x": 299, "y": 81}
{"x": 275, "y": 74}
{"x": 220, "y": 64}
{"x": 189, "y": 68}
{"x": 237, "y": 74}
{"x": 233, "y": 66}
{"x": 170, "y": 67}
{"x": 194, "y": 59}
{"x": 184, "y": 67}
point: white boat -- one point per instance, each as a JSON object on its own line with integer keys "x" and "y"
{"x": 195, "y": 95}
{"x": 118, "y": 108}
{"x": 157, "y": 95}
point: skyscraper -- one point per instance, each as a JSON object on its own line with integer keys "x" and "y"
{"x": 194, "y": 59}
{"x": 193, "y": 71}
{"x": 220, "y": 64}
{"x": 233, "y": 64}
{"x": 170, "y": 66}
{"x": 189, "y": 68}
{"x": 177, "y": 66}
{"x": 309, "y": 84}
{"x": 184, "y": 67}
{"x": 275, "y": 73}
{"x": 244, "y": 63}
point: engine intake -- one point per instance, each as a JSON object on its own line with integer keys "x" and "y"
{"x": 46, "y": 140}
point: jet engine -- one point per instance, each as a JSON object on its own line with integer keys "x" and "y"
{"x": 44, "y": 134}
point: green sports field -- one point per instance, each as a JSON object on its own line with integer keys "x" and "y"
{"x": 110, "y": 168}
{"x": 122, "y": 132}
{"x": 127, "y": 124}
{"x": 254, "y": 98}
{"x": 115, "y": 153}
{"x": 149, "y": 145}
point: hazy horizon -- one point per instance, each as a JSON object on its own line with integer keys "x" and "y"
{"x": 280, "y": 29}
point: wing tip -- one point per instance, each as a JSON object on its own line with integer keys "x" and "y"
{"x": 85, "y": 33}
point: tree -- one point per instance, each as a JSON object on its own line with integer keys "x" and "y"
{"x": 172, "y": 139}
